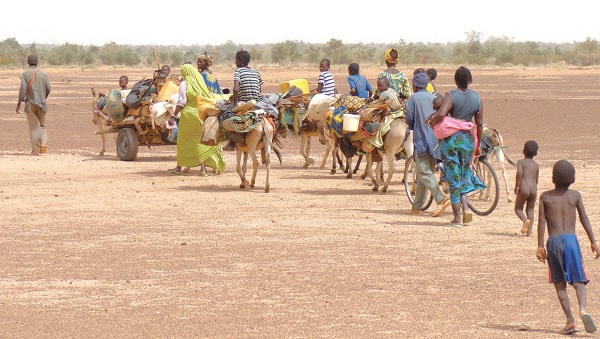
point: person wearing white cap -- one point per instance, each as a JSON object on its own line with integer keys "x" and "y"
{"x": 34, "y": 91}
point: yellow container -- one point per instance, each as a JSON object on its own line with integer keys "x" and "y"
{"x": 300, "y": 83}
{"x": 168, "y": 89}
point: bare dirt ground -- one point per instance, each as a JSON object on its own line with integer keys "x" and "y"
{"x": 95, "y": 247}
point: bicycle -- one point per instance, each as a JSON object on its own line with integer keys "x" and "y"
{"x": 481, "y": 202}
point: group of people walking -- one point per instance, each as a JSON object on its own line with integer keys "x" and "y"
{"x": 447, "y": 131}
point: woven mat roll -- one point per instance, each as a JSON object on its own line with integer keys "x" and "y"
{"x": 352, "y": 103}
{"x": 240, "y": 123}
{"x": 375, "y": 113}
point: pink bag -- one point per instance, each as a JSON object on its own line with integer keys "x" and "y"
{"x": 449, "y": 126}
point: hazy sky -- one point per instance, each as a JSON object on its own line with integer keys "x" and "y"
{"x": 187, "y": 22}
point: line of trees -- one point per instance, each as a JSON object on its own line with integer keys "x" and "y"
{"x": 499, "y": 51}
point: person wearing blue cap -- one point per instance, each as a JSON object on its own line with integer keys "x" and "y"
{"x": 419, "y": 107}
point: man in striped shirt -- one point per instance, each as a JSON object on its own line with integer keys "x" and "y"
{"x": 246, "y": 81}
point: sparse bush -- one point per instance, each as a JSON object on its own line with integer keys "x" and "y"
{"x": 493, "y": 51}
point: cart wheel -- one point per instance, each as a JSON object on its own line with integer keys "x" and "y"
{"x": 127, "y": 144}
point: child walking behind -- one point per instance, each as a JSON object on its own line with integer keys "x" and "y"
{"x": 526, "y": 186}
{"x": 558, "y": 209}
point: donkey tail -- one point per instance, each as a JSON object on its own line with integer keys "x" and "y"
{"x": 278, "y": 154}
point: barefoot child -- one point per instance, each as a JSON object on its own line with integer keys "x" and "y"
{"x": 558, "y": 208}
{"x": 526, "y": 186}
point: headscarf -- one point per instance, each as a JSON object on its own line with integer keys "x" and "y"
{"x": 195, "y": 81}
{"x": 206, "y": 57}
{"x": 389, "y": 58}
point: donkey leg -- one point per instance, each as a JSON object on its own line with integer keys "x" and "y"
{"x": 369, "y": 171}
{"x": 334, "y": 156}
{"x": 245, "y": 164}
{"x": 254, "y": 168}
{"x": 500, "y": 156}
{"x": 303, "y": 143}
{"x": 308, "y": 160}
{"x": 101, "y": 124}
{"x": 364, "y": 175}
{"x": 267, "y": 140}
{"x": 103, "y": 138}
{"x": 327, "y": 150}
{"x": 338, "y": 157}
{"x": 340, "y": 162}
{"x": 239, "y": 168}
{"x": 267, "y": 165}
{"x": 357, "y": 167}
{"x": 391, "y": 167}
{"x": 348, "y": 166}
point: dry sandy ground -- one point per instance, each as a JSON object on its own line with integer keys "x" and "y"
{"x": 94, "y": 247}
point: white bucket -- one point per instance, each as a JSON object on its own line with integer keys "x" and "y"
{"x": 350, "y": 122}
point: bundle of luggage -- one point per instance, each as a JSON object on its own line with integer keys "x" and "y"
{"x": 369, "y": 118}
{"x": 143, "y": 99}
{"x": 223, "y": 120}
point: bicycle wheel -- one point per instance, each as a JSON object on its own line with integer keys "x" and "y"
{"x": 484, "y": 202}
{"x": 410, "y": 183}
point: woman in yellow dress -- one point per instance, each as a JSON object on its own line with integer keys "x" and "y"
{"x": 190, "y": 152}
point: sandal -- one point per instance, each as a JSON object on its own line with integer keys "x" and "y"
{"x": 569, "y": 329}
{"x": 442, "y": 207}
{"x": 588, "y": 323}
{"x": 173, "y": 171}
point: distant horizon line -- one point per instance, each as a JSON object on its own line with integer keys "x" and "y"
{"x": 273, "y": 43}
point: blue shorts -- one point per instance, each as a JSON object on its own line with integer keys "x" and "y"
{"x": 565, "y": 262}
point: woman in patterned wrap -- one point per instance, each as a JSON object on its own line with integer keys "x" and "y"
{"x": 204, "y": 62}
{"x": 457, "y": 151}
{"x": 190, "y": 152}
{"x": 396, "y": 78}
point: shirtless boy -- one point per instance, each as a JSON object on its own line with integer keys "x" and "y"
{"x": 558, "y": 208}
{"x": 526, "y": 186}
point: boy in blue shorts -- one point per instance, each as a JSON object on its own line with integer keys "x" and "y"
{"x": 558, "y": 208}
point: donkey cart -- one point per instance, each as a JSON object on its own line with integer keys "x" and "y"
{"x": 141, "y": 121}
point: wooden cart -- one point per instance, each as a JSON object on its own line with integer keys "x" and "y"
{"x": 138, "y": 127}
